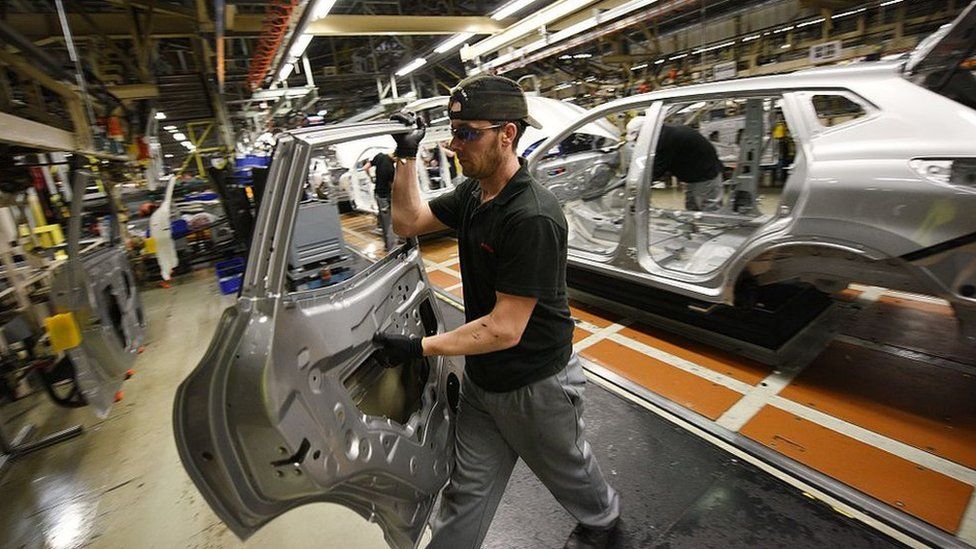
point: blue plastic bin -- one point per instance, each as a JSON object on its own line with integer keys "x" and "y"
{"x": 230, "y": 284}
{"x": 230, "y": 267}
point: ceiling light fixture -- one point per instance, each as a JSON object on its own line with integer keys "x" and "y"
{"x": 846, "y": 13}
{"x": 160, "y": 115}
{"x": 470, "y": 52}
{"x": 170, "y": 128}
{"x": 179, "y": 136}
{"x": 411, "y": 66}
{"x": 321, "y": 8}
{"x": 298, "y": 48}
{"x": 524, "y": 27}
{"x": 285, "y": 71}
{"x": 453, "y": 42}
{"x": 716, "y": 47}
{"x": 511, "y": 8}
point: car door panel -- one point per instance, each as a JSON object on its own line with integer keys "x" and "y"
{"x": 293, "y": 403}
{"x": 99, "y": 291}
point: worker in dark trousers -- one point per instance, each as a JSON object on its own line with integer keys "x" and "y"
{"x": 689, "y": 156}
{"x": 523, "y": 386}
{"x": 381, "y": 191}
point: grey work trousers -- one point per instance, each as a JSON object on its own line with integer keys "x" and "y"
{"x": 384, "y": 218}
{"x": 540, "y": 423}
{"x": 704, "y": 196}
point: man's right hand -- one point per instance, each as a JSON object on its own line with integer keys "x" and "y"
{"x": 408, "y": 143}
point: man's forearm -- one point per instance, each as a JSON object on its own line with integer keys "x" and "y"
{"x": 482, "y": 335}
{"x": 406, "y": 196}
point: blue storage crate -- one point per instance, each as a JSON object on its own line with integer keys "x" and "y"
{"x": 230, "y": 284}
{"x": 179, "y": 228}
{"x": 230, "y": 267}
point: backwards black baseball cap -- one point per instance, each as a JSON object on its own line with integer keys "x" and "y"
{"x": 486, "y": 97}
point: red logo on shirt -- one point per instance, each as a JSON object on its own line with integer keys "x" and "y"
{"x": 487, "y": 248}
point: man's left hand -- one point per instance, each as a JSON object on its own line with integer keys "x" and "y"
{"x": 399, "y": 349}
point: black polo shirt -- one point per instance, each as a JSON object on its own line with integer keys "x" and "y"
{"x": 384, "y": 174}
{"x": 685, "y": 154}
{"x": 514, "y": 244}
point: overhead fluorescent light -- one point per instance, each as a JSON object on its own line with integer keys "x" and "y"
{"x": 717, "y": 47}
{"x": 525, "y": 27}
{"x": 583, "y": 56}
{"x": 168, "y": 155}
{"x": 639, "y": 67}
{"x": 179, "y": 136}
{"x": 160, "y": 115}
{"x": 511, "y": 8}
{"x": 563, "y": 86}
{"x": 888, "y": 3}
{"x": 285, "y": 71}
{"x": 470, "y": 52}
{"x": 453, "y": 42}
{"x": 808, "y": 23}
{"x": 659, "y": 61}
{"x": 321, "y": 8}
{"x": 751, "y": 38}
{"x": 784, "y": 46}
{"x": 846, "y": 13}
{"x": 298, "y": 48}
{"x": 676, "y": 57}
{"x": 170, "y": 128}
{"x": 411, "y": 66}
{"x": 187, "y": 145}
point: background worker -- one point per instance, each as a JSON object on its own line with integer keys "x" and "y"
{"x": 381, "y": 191}
{"x": 522, "y": 390}
{"x": 690, "y": 157}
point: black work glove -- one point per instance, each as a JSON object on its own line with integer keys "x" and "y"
{"x": 399, "y": 349}
{"x": 408, "y": 143}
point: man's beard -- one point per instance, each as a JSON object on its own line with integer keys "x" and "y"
{"x": 485, "y": 165}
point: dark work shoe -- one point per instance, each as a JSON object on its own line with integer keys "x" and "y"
{"x": 589, "y": 537}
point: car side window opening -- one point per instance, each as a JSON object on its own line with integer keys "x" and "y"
{"x": 834, "y": 110}
{"x": 720, "y": 166}
{"x": 587, "y": 172}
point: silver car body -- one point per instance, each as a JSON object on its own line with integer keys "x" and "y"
{"x": 855, "y": 209}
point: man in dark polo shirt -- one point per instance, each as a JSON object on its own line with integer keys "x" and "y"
{"x": 381, "y": 191}
{"x": 687, "y": 155}
{"x": 522, "y": 392}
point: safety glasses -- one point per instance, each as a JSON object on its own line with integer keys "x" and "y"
{"x": 467, "y": 133}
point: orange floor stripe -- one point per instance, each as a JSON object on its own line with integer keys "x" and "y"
{"x": 925, "y": 306}
{"x": 455, "y": 266}
{"x": 930, "y": 408}
{"x": 736, "y": 367}
{"x": 442, "y": 279}
{"x": 930, "y": 496}
{"x": 459, "y": 291}
{"x": 849, "y": 294}
{"x": 579, "y": 334}
{"x": 593, "y": 315}
{"x": 697, "y": 394}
